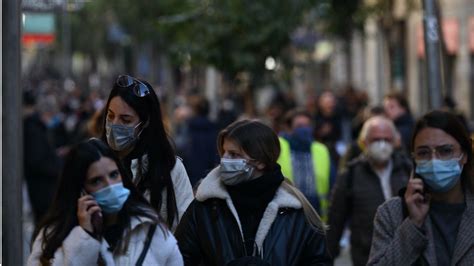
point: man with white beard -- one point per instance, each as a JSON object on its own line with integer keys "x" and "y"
{"x": 369, "y": 180}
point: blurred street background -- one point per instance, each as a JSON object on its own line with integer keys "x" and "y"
{"x": 225, "y": 60}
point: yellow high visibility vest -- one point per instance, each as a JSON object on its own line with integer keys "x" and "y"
{"x": 321, "y": 166}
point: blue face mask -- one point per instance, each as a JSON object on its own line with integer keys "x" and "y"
{"x": 303, "y": 134}
{"x": 439, "y": 175}
{"x": 111, "y": 198}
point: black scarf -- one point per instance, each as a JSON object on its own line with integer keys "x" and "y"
{"x": 251, "y": 199}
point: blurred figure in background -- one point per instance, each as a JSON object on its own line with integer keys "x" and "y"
{"x": 95, "y": 124}
{"x": 134, "y": 129}
{"x": 200, "y": 155}
{"x": 369, "y": 180}
{"x": 328, "y": 124}
{"x": 40, "y": 159}
{"x": 449, "y": 105}
{"x": 227, "y": 114}
{"x": 327, "y": 120}
{"x": 397, "y": 109}
{"x": 356, "y": 146}
{"x": 306, "y": 162}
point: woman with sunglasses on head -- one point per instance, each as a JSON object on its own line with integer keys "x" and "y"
{"x": 432, "y": 222}
{"x": 245, "y": 213}
{"x": 98, "y": 217}
{"x": 134, "y": 129}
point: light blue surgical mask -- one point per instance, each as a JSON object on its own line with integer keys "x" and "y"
{"x": 440, "y": 175}
{"x": 111, "y": 198}
{"x": 121, "y": 137}
{"x": 235, "y": 171}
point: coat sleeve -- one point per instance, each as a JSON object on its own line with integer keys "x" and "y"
{"x": 338, "y": 213}
{"x": 175, "y": 258}
{"x": 395, "y": 243}
{"x": 164, "y": 248}
{"x": 182, "y": 187}
{"x": 78, "y": 248}
{"x": 187, "y": 236}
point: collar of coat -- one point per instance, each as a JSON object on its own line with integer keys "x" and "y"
{"x": 137, "y": 221}
{"x": 212, "y": 187}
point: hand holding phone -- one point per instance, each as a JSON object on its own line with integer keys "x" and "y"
{"x": 417, "y": 199}
{"x": 89, "y": 214}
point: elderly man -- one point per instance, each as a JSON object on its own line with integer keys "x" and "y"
{"x": 370, "y": 179}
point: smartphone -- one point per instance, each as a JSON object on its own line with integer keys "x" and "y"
{"x": 96, "y": 219}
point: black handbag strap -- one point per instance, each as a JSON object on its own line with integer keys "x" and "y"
{"x": 146, "y": 246}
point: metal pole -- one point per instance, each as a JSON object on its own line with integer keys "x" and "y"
{"x": 433, "y": 54}
{"x": 12, "y": 149}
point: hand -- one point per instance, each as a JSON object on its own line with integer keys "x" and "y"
{"x": 86, "y": 206}
{"x": 418, "y": 204}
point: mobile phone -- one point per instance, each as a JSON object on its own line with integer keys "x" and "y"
{"x": 96, "y": 219}
{"x": 415, "y": 175}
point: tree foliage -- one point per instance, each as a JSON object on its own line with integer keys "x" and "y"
{"x": 234, "y": 35}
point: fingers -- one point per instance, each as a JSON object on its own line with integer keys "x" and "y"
{"x": 85, "y": 202}
{"x": 415, "y": 185}
{"x": 418, "y": 198}
{"x": 87, "y": 206}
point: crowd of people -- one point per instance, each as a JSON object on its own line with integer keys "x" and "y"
{"x": 109, "y": 182}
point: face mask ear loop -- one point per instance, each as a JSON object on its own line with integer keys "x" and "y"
{"x": 143, "y": 127}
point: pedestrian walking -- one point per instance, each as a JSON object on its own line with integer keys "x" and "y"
{"x": 99, "y": 218}
{"x": 396, "y": 108}
{"x": 245, "y": 213}
{"x": 134, "y": 129}
{"x": 41, "y": 162}
{"x": 432, "y": 222}
{"x": 305, "y": 161}
{"x": 369, "y": 180}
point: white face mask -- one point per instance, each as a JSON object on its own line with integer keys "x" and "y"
{"x": 236, "y": 171}
{"x": 380, "y": 151}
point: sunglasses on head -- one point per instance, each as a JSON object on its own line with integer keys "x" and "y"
{"x": 138, "y": 87}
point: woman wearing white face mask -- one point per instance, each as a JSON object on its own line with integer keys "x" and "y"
{"x": 98, "y": 217}
{"x": 134, "y": 129}
{"x": 244, "y": 211}
{"x": 433, "y": 222}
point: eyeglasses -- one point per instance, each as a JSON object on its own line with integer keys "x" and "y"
{"x": 443, "y": 152}
{"x": 139, "y": 88}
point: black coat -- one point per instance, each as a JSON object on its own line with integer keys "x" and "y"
{"x": 209, "y": 233}
{"x": 356, "y": 196}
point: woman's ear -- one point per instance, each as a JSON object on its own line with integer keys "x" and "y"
{"x": 463, "y": 160}
{"x": 260, "y": 166}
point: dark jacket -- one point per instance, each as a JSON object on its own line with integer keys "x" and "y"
{"x": 210, "y": 232}
{"x": 355, "y": 198}
{"x": 405, "y": 124}
{"x": 200, "y": 156}
{"x": 41, "y": 165}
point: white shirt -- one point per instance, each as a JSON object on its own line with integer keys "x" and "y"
{"x": 384, "y": 177}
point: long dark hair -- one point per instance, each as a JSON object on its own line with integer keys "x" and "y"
{"x": 450, "y": 124}
{"x": 61, "y": 217}
{"x": 261, "y": 143}
{"x": 156, "y": 143}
